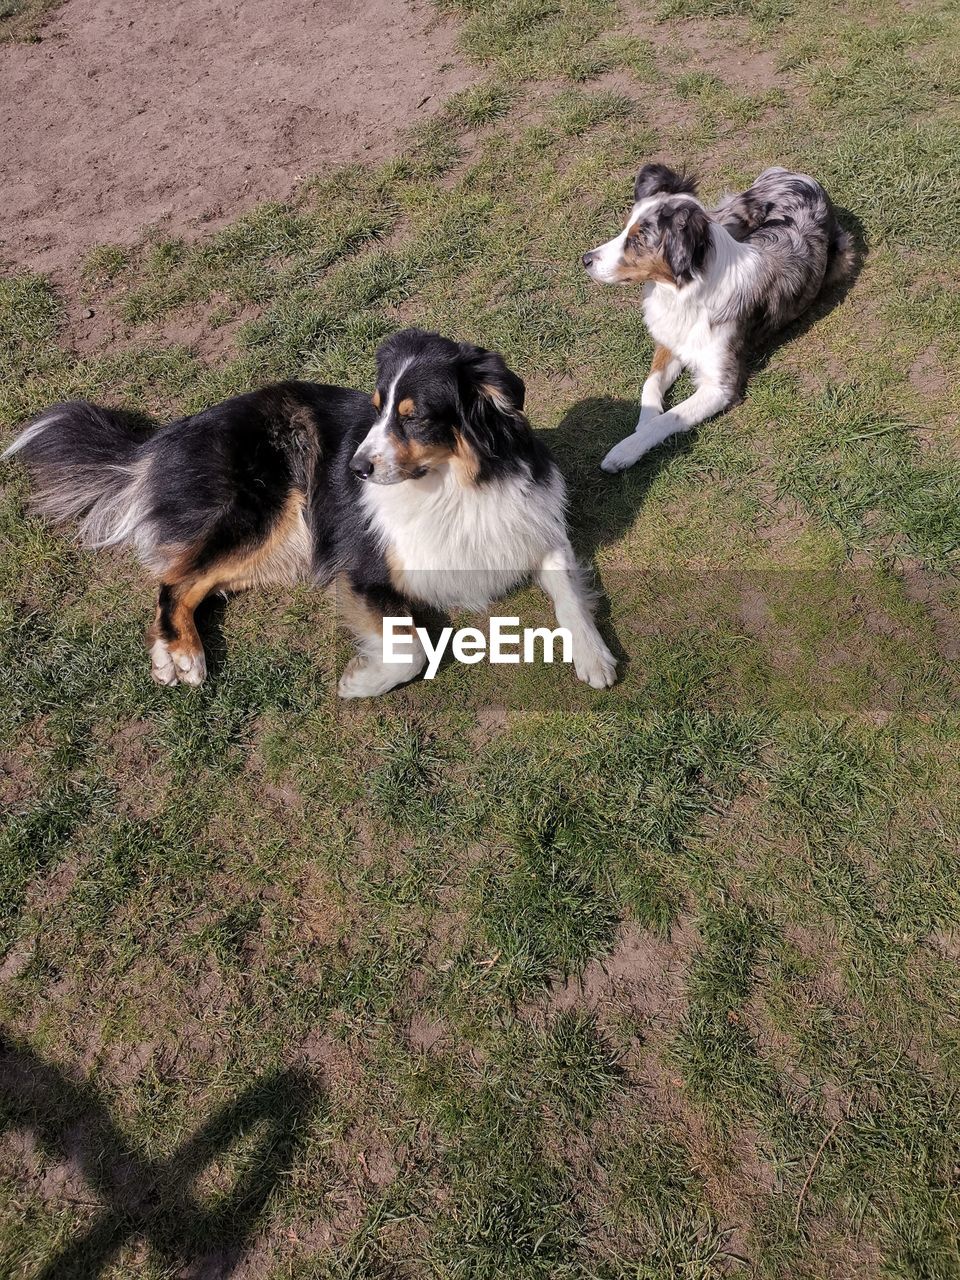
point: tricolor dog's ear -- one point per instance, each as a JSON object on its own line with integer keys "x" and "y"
{"x": 658, "y": 179}
{"x": 685, "y": 239}
{"x": 486, "y": 383}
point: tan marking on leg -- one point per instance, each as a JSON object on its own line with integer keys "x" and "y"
{"x": 358, "y": 614}
{"x": 176, "y": 652}
{"x": 187, "y": 650}
{"x": 283, "y": 556}
{"x": 395, "y": 570}
{"x": 661, "y": 358}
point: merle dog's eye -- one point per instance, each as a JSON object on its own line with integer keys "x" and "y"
{"x": 638, "y": 235}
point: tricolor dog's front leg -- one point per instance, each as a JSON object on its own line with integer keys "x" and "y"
{"x": 362, "y": 608}
{"x": 562, "y": 579}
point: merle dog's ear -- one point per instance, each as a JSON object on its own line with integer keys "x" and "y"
{"x": 486, "y": 381}
{"x": 685, "y": 239}
{"x": 658, "y": 179}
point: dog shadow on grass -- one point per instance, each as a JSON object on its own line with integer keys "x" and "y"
{"x": 602, "y": 507}
{"x": 209, "y": 618}
{"x": 141, "y": 1197}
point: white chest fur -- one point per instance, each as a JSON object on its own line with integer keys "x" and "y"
{"x": 678, "y": 319}
{"x": 698, "y": 320}
{"x": 450, "y": 544}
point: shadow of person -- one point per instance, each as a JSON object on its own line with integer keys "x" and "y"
{"x": 153, "y": 1199}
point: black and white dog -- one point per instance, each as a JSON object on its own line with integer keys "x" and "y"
{"x": 716, "y": 284}
{"x": 434, "y": 492}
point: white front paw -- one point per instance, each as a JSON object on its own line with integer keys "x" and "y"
{"x": 363, "y": 678}
{"x": 625, "y": 454}
{"x": 191, "y": 667}
{"x": 596, "y": 665}
{"x": 161, "y": 664}
{"x": 176, "y": 666}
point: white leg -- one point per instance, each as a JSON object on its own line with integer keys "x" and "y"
{"x": 704, "y": 403}
{"x": 561, "y": 578}
{"x": 367, "y": 675}
{"x": 663, "y": 374}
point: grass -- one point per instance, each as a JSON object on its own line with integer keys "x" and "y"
{"x": 23, "y": 19}
{"x": 501, "y": 978}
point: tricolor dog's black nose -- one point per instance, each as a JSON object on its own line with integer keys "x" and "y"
{"x": 361, "y": 466}
{"x": 588, "y": 258}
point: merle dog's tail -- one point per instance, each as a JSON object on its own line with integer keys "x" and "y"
{"x": 89, "y": 464}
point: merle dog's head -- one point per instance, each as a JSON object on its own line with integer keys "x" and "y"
{"x": 440, "y": 404}
{"x": 667, "y": 236}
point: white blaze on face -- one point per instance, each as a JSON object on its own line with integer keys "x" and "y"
{"x": 605, "y": 258}
{"x": 377, "y": 444}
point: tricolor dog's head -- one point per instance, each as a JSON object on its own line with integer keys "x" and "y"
{"x": 666, "y": 238}
{"x": 440, "y": 404}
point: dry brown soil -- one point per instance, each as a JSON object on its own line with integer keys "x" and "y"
{"x": 132, "y": 114}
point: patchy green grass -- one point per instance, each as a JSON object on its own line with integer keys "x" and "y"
{"x": 22, "y": 19}
{"x": 501, "y": 978}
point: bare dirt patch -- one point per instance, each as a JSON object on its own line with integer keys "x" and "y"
{"x": 184, "y": 114}
{"x": 724, "y": 49}
{"x": 643, "y": 973}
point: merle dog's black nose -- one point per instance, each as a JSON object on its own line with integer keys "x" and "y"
{"x": 587, "y": 259}
{"x": 361, "y": 466}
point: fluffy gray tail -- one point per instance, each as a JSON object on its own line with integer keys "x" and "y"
{"x": 88, "y": 465}
{"x": 842, "y": 259}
